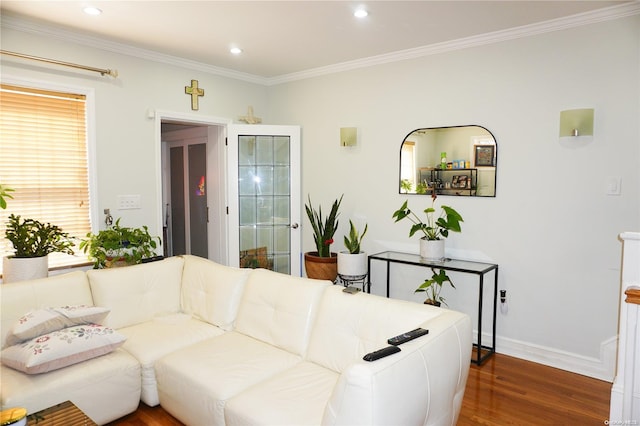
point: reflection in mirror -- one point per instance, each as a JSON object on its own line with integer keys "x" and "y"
{"x": 457, "y": 160}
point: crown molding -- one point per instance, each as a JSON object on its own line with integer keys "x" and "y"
{"x": 28, "y": 26}
{"x": 587, "y": 18}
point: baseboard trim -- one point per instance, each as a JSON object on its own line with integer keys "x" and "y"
{"x": 602, "y": 368}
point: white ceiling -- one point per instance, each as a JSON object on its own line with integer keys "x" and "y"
{"x": 281, "y": 38}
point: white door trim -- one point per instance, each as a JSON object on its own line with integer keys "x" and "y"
{"x": 192, "y": 118}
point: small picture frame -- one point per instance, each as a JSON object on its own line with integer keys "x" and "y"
{"x": 484, "y": 155}
{"x": 454, "y": 181}
{"x": 463, "y": 181}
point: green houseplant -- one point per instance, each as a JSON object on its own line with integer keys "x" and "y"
{"x": 32, "y": 242}
{"x": 353, "y": 261}
{"x": 119, "y": 246}
{"x": 436, "y": 227}
{"x": 4, "y": 194}
{"x": 322, "y": 263}
{"x": 433, "y": 286}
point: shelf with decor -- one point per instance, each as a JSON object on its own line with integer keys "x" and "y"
{"x": 450, "y": 181}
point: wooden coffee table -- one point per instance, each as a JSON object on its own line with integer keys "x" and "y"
{"x": 64, "y": 414}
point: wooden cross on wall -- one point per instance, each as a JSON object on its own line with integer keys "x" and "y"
{"x": 194, "y": 91}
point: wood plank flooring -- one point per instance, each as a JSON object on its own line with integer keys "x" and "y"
{"x": 504, "y": 391}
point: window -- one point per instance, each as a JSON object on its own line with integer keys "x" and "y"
{"x": 43, "y": 157}
{"x": 408, "y": 163}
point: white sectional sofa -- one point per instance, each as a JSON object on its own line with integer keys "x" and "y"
{"x": 216, "y": 345}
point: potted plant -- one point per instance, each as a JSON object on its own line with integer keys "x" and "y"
{"x": 32, "y": 242}
{"x": 433, "y": 287}
{"x": 322, "y": 263}
{"x": 353, "y": 261}
{"x": 435, "y": 228}
{"x": 4, "y": 194}
{"x": 119, "y": 246}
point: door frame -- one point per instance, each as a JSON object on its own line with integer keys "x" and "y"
{"x": 217, "y": 130}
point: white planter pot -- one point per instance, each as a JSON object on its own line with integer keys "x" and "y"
{"x": 23, "y": 269}
{"x": 432, "y": 249}
{"x": 352, "y": 264}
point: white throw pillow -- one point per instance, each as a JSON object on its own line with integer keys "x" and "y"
{"x": 42, "y": 321}
{"x": 62, "y": 348}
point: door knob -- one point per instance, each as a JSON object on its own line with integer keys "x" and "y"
{"x": 294, "y": 225}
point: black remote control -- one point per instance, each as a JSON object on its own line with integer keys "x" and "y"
{"x": 381, "y": 353}
{"x": 404, "y": 338}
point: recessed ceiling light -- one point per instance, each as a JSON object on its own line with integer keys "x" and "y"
{"x": 92, "y": 11}
{"x": 235, "y": 50}
{"x": 361, "y": 13}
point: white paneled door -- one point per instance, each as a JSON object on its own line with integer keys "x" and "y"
{"x": 264, "y": 197}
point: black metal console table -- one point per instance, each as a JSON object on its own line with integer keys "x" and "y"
{"x": 482, "y": 352}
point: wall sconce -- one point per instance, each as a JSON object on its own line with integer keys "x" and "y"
{"x": 348, "y": 136}
{"x": 576, "y": 123}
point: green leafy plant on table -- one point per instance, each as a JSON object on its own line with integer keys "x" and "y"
{"x": 435, "y": 226}
{"x": 119, "y": 245}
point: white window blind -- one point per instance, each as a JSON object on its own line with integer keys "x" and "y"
{"x": 43, "y": 157}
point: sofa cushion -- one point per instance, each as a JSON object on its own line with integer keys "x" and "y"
{"x": 21, "y": 297}
{"x": 297, "y": 396}
{"x": 61, "y": 348}
{"x": 212, "y": 292}
{"x": 195, "y": 383}
{"x": 348, "y": 326}
{"x": 105, "y": 388}
{"x": 279, "y": 309}
{"x": 137, "y": 293}
{"x": 151, "y": 340}
{"x": 42, "y": 321}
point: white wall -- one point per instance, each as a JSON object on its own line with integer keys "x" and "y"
{"x": 126, "y": 162}
{"x": 551, "y": 228}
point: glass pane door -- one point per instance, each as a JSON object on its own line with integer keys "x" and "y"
{"x": 266, "y": 219}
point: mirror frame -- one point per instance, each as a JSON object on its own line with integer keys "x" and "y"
{"x": 471, "y": 170}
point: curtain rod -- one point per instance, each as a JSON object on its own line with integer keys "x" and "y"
{"x": 112, "y": 73}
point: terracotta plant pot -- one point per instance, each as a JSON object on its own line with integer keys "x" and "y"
{"x": 322, "y": 268}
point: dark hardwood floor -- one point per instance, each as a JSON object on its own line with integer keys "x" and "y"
{"x": 504, "y": 391}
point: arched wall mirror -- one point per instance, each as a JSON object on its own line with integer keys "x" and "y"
{"x": 459, "y": 161}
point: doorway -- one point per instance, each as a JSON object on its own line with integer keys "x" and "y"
{"x": 193, "y": 201}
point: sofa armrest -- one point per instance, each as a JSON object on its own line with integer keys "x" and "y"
{"x": 422, "y": 384}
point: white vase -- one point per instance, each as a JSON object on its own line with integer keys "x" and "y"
{"x": 432, "y": 249}
{"x": 23, "y": 269}
{"x": 352, "y": 264}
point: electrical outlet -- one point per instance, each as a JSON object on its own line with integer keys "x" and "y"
{"x": 128, "y": 202}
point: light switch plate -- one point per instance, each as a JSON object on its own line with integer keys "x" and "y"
{"x": 613, "y": 185}
{"x": 128, "y": 202}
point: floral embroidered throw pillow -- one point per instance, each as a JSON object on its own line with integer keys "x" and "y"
{"x": 62, "y": 348}
{"x": 42, "y": 321}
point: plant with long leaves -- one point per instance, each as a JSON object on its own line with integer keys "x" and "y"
{"x": 353, "y": 241}
{"x": 323, "y": 228}
{"x": 434, "y": 227}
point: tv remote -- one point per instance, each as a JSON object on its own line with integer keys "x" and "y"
{"x": 405, "y": 337}
{"x": 381, "y": 353}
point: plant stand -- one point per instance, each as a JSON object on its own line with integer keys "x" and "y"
{"x": 349, "y": 280}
